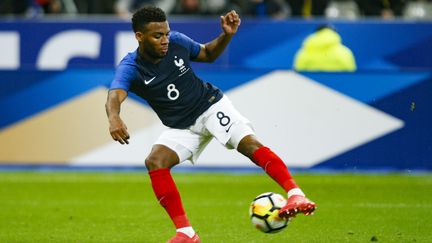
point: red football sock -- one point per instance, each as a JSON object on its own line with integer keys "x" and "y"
{"x": 166, "y": 192}
{"x": 274, "y": 167}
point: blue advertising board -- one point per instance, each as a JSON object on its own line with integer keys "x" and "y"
{"x": 395, "y": 45}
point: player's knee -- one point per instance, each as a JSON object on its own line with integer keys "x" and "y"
{"x": 159, "y": 161}
{"x": 154, "y": 162}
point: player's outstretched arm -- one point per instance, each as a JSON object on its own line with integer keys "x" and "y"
{"x": 117, "y": 128}
{"x": 213, "y": 49}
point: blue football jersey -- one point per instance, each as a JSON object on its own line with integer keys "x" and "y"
{"x": 170, "y": 87}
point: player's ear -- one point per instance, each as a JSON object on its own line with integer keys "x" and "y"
{"x": 139, "y": 36}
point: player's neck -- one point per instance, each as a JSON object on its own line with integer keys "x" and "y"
{"x": 145, "y": 56}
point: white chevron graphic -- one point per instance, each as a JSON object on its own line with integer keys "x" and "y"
{"x": 304, "y": 122}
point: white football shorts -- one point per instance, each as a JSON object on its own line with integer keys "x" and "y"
{"x": 221, "y": 121}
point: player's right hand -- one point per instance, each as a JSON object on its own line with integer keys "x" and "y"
{"x": 118, "y": 131}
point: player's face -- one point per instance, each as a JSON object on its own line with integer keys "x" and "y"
{"x": 154, "y": 40}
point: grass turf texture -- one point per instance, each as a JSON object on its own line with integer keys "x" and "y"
{"x": 120, "y": 207}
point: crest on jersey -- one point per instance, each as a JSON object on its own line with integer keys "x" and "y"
{"x": 180, "y": 64}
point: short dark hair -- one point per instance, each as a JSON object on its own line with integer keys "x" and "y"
{"x": 146, "y": 15}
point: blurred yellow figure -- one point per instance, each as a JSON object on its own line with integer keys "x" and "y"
{"x": 323, "y": 51}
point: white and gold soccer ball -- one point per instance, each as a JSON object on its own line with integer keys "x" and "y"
{"x": 264, "y": 212}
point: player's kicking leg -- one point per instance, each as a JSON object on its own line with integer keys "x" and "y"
{"x": 159, "y": 163}
{"x": 271, "y": 163}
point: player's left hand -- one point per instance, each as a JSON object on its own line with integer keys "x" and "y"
{"x": 230, "y": 22}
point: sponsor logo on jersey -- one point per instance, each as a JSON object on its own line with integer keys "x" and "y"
{"x": 146, "y": 82}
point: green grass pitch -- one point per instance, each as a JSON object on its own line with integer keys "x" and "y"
{"x": 120, "y": 207}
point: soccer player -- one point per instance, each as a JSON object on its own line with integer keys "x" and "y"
{"x": 194, "y": 111}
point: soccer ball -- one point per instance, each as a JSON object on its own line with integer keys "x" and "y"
{"x": 264, "y": 212}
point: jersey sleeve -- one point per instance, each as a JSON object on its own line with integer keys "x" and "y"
{"x": 124, "y": 75}
{"x": 184, "y": 40}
